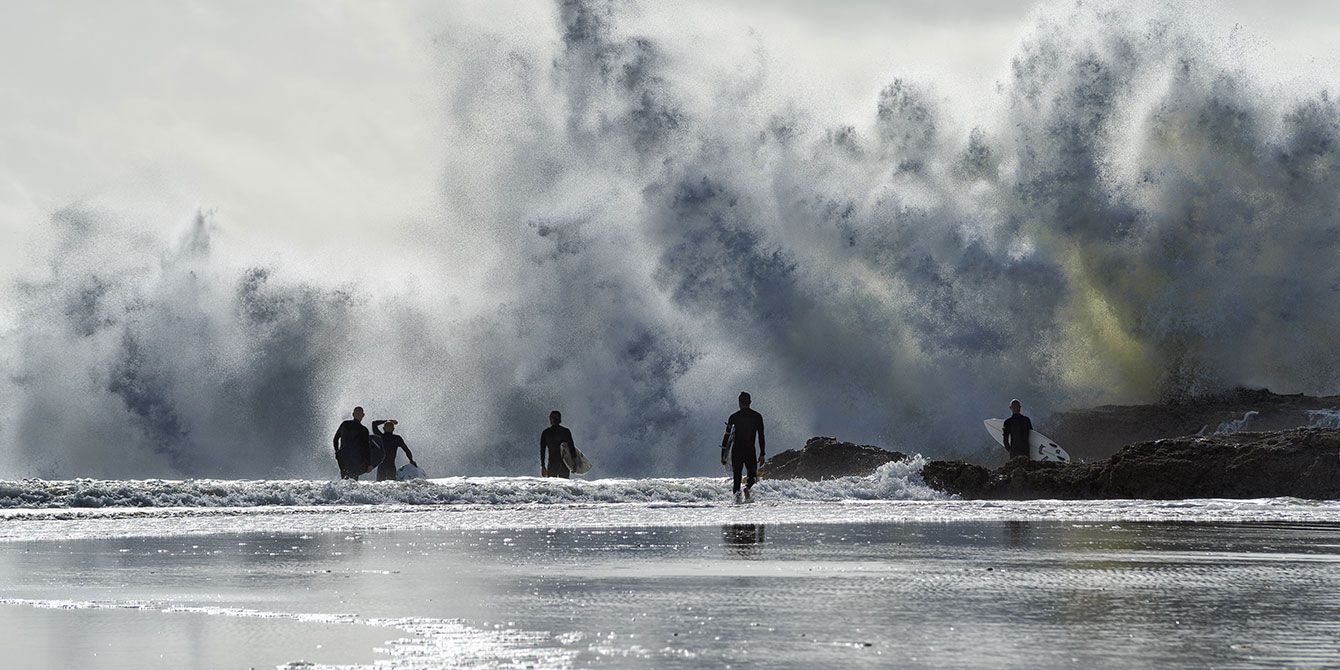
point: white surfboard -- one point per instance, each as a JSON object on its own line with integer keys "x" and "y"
{"x": 409, "y": 471}
{"x": 1040, "y": 447}
{"x": 727, "y": 444}
{"x": 577, "y": 462}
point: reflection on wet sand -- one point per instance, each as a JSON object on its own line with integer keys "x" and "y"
{"x": 742, "y": 539}
{"x": 1020, "y": 533}
{"x": 1037, "y": 594}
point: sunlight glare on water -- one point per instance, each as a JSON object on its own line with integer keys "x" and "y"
{"x": 1237, "y": 584}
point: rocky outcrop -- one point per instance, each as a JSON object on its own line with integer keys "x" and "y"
{"x": 1301, "y": 463}
{"x": 1091, "y": 434}
{"x": 827, "y": 458}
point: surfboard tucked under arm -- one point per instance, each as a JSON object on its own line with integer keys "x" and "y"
{"x": 577, "y": 462}
{"x": 376, "y": 451}
{"x": 1040, "y": 447}
{"x": 727, "y": 444}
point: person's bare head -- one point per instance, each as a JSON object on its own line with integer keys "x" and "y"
{"x": 358, "y": 414}
{"x": 389, "y": 426}
{"x": 555, "y": 418}
{"x": 1015, "y": 405}
{"x": 745, "y": 400}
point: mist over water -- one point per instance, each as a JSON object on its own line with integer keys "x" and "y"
{"x": 636, "y": 232}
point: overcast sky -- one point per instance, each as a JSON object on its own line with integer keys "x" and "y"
{"x": 312, "y": 126}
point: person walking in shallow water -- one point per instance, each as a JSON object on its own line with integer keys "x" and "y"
{"x": 1017, "y": 430}
{"x": 351, "y": 446}
{"x": 741, "y": 428}
{"x": 552, "y": 440}
{"x": 391, "y": 442}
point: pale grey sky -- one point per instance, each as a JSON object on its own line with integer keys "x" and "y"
{"x": 311, "y": 126}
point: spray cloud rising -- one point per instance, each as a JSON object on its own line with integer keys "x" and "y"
{"x": 644, "y": 235}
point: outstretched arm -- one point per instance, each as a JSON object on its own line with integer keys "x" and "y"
{"x": 377, "y": 426}
{"x": 408, "y": 454}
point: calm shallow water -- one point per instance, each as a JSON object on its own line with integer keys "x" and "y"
{"x": 1040, "y": 592}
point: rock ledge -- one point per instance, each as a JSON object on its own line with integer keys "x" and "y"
{"x": 827, "y": 458}
{"x": 1300, "y": 463}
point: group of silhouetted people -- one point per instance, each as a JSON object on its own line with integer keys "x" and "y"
{"x": 356, "y": 454}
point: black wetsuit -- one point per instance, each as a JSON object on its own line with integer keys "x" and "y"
{"x": 1017, "y": 428}
{"x": 550, "y": 439}
{"x": 390, "y": 444}
{"x": 351, "y": 449}
{"x": 747, "y": 423}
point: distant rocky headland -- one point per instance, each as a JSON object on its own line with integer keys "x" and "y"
{"x": 1099, "y": 432}
{"x": 1241, "y": 444}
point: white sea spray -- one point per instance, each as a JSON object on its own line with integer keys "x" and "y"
{"x": 633, "y": 236}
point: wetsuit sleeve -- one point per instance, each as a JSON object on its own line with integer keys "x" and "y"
{"x": 337, "y": 437}
{"x": 377, "y": 426}
{"x": 762, "y": 443}
{"x": 542, "y": 462}
{"x": 571, "y": 442}
{"x": 725, "y": 439}
{"x": 1005, "y": 434}
{"x": 408, "y": 454}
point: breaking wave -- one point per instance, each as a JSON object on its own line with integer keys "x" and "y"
{"x": 1324, "y": 418}
{"x": 1234, "y": 425}
{"x": 892, "y": 481}
{"x": 634, "y": 235}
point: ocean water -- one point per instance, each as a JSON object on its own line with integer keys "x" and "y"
{"x": 864, "y": 572}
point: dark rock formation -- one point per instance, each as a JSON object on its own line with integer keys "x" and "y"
{"x": 1302, "y": 463}
{"x": 826, "y": 458}
{"x": 1091, "y": 434}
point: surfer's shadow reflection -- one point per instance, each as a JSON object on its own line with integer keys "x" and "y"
{"x": 743, "y": 539}
{"x": 1019, "y": 532}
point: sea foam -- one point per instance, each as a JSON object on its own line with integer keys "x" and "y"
{"x": 892, "y": 481}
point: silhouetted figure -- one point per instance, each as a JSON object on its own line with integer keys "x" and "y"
{"x": 741, "y": 428}
{"x": 551, "y": 442}
{"x": 1017, "y": 428}
{"x": 390, "y": 444}
{"x": 351, "y": 446}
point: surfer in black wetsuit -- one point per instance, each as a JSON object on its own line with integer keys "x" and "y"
{"x": 351, "y": 446}
{"x": 741, "y": 428}
{"x": 1017, "y": 428}
{"x": 390, "y": 444}
{"x": 551, "y": 441}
